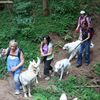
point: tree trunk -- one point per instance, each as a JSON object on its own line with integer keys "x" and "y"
{"x": 45, "y": 8}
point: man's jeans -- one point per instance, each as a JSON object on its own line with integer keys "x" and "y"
{"x": 85, "y": 46}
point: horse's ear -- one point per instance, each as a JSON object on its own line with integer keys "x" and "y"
{"x": 30, "y": 62}
{"x": 34, "y": 61}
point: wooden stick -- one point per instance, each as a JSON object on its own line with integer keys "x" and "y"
{"x": 6, "y": 2}
{"x": 92, "y": 86}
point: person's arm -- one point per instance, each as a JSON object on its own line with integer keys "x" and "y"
{"x": 78, "y": 25}
{"x": 21, "y": 62}
{"x": 41, "y": 48}
{"x": 80, "y": 36}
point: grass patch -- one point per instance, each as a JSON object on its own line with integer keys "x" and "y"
{"x": 96, "y": 68}
{"x": 55, "y": 88}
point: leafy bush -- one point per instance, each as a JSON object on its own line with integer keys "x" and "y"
{"x": 38, "y": 96}
{"x": 64, "y": 6}
{"x": 23, "y": 8}
{"x": 97, "y": 68}
{"x": 23, "y": 22}
{"x": 89, "y": 94}
{"x": 68, "y": 37}
{"x": 68, "y": 86}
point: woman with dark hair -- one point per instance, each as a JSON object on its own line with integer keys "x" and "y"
{"x": 46, "y": 50}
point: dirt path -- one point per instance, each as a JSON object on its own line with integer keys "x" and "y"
{"x": 6, "y": 91}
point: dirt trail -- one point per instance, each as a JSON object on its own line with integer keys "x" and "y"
{"x": 6, "y": 93}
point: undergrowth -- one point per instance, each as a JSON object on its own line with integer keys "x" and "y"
{"x": 71, "y": 86}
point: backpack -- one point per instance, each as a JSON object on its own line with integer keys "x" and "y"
{"x": 91, "y": 30}
{"x": 18, "y": 55}
{"x": 89, "y": 19}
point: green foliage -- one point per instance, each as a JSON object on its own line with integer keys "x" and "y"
{"x": 68, "y": 37}
{"x": 90, "y": 6}
{"x": 30, "y": 49}
{"x": 97, "y": 68}
{"x": 83, "y": 81}
{"x": 24, "y": 22}
{"x": 64, "y": 6}
{"x": 68, "y": 86}
{"x": 36, "y": 27}
{"x": 89, "y": 94}
{"x": 3, "y": 68}
{"x": 7, "y": 28}
{"x": 52, "y": 97}
{"x": 24, "y": 19}
{"x": 23, "y": 5}
{"x": 23, "y": 8}
{"x": 38, "y": 96}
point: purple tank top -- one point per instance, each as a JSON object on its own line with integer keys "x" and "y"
{"x": 45, "y": 49}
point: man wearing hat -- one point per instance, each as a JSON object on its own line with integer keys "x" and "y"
{"x": 86, "y": 31}
{"x": 83, "y": 19}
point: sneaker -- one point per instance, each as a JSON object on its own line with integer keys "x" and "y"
{"x": 17, "y": 92}
{"x": 47, "y": 78}
{"x": 78, "y": 65}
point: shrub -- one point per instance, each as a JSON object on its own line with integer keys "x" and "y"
{"x": 96, "y": 68}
